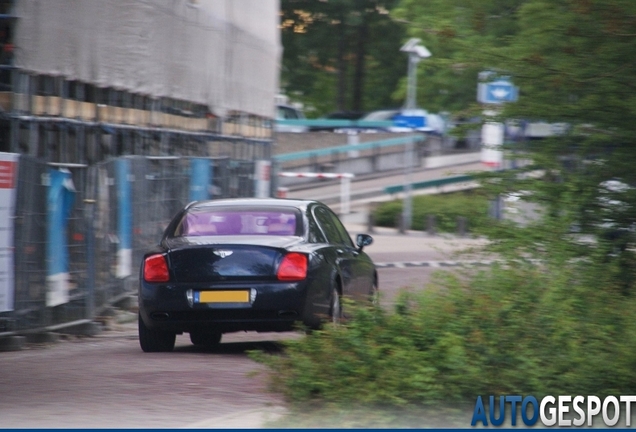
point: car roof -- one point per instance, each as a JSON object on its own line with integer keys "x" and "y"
{"x": 381, "y": 115}
{"x": 252, "y": 202}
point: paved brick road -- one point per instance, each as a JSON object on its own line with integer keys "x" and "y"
{"x": 108, "y": 382}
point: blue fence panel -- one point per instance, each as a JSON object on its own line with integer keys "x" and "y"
{"x": 60, "y": 198}
{"x": 124, "y": 218}
{"x": 200, "y": 175}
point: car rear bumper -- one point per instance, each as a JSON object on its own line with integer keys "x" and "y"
{"x": 274, "y": 307}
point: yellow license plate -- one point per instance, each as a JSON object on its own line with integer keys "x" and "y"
{"x": 223, "y": 297}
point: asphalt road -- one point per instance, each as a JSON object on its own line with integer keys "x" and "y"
{"x": 106, "y": 381}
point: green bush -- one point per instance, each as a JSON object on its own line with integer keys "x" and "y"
{"x": 445, "y": 207}
{"x": 514, "y": 329}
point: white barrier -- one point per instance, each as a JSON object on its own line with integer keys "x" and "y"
{"x": 345, "y": 184}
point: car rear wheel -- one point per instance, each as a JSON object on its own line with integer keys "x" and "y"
{"x": 155, "y": 340}
{"x": 335, "y": 308}
{"x": 204, "y": 338}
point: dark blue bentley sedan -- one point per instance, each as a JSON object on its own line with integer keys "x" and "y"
{"x": 249, "y": 265}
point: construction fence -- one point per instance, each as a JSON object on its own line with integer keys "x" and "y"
{"x": 72, "y": 236}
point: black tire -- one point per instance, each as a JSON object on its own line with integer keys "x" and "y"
{"x": 155, "y": 340}
{"x": 208, "y": 339}
{"x": 335, "y": 306}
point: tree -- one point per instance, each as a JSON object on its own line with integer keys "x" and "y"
{"x": 564, "y": 324}
{"x": 334, "y": 49}
{"x": 573, "y": 62}
{"x": 456, "y": 32}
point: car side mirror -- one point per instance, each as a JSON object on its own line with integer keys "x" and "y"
{"x": 363, "y": 240}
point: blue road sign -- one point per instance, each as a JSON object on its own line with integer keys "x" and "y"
{"x": 497, "y": 92}
{"x": 410, "y": 121}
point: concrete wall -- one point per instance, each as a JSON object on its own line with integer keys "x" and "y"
{"x": 296, "y": 142}
{"x": 360, "y": 165}
{"x": 432, "y": 153}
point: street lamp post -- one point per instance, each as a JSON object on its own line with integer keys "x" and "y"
{"x": 416, "y": 53}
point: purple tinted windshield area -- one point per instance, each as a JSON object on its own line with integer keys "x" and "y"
{"x": 216, "y": 223}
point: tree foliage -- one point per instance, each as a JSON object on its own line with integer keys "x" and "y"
{"x": 341, "y": 55}
{"x": 562, "y": 324}
{"x": 572, "y": 61}
{"x": 457, "y": 32}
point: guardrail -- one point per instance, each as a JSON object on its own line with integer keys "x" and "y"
{"x": 430, "y": 183}
{"x": 347, "y": 148}
{"x": 345, "y": 185}
{"x": 337, "y": 123}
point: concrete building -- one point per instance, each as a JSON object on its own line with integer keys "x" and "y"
{"x": 84, "y": 81}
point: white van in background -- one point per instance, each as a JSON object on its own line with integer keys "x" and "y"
{"x": 288, "y": 111}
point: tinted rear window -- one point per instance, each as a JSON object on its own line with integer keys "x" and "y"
{"x": 215, "y": 222}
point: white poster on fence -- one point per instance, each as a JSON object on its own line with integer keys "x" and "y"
{"x": 262, "y": 180}
{"x": 8, "y": 186}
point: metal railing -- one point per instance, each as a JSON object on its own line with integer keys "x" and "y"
{"x": 116, "y": 211}
{"x": 308, "y": 154}
{"x": 438, "y": 182}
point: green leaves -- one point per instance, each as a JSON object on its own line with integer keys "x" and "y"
{"x": 445, "y": 207}
{"x": 341, "y": 55}
{"x": 565, "y": 324}
{"x": 515, "y": 329}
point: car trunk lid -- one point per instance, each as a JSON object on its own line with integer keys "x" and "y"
{"x": 218, "y": 261}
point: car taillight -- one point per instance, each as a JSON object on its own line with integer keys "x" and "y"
{"x": 293, "y": 267}
{"x": 156, "y": 269}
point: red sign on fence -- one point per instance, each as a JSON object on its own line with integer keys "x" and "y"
{"x": 7, "y": 174}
